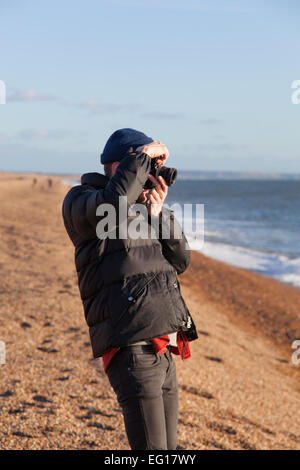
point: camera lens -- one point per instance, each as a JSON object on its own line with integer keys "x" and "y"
{"x": 168, "y": 174}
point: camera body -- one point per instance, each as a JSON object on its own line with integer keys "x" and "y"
{"x": 168, "y": 174}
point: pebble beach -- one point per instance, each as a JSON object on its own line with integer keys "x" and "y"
{"x": 239, "y": 390}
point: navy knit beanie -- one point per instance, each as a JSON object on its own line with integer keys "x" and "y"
{"x": 120, "y": 142}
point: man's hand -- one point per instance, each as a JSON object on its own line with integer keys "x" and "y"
{"x": 155, "y": 149}
{"x": 156, "y": 196}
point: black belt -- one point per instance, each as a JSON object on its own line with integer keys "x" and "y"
{"x": 144, "y": 348}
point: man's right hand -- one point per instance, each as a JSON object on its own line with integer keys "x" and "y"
{"x": 155, "y": 149}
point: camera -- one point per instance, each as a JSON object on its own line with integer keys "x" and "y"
{"x": 168, "y": 174}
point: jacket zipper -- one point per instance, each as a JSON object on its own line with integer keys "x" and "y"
{"x": 141, "y": 289}
{"x": 132, "y": 299}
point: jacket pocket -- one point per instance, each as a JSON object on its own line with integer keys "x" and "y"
{"x": 130, "y": 295}
{"x": 135, "y": 288}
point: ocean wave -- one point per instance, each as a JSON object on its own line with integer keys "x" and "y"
{"x": 211, "y": 243}
{"x": 70, "y": 182}
{"x": 274, "y": 265}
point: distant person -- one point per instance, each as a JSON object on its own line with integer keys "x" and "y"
{"x": 130, "y": 290}
{"x": 49, "y": 183}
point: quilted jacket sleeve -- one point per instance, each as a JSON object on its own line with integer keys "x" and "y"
{"x": 175, "y": 247}
{"x": 80, "y": 204}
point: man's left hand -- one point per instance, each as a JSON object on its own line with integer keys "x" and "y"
{"x": 156, "y": 196}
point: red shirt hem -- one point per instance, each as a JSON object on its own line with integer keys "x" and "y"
{"x": 160, "y": 347}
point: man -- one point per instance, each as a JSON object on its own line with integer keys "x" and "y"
{"x": 130, "y": 290}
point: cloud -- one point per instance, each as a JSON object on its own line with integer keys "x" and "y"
{"x": 97, "y": 106}
{"x": 41, "y": 134}
{"x": 29, "y": 135}
{"x": 178, "y": 115}
{"x": 31, "y": 95}
{"x": 162, "y": 115}
{"x": 92, "y": 105}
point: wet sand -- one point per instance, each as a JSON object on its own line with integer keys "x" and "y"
{"x": 239, "y": 390}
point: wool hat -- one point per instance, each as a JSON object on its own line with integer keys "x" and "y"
{"x": 120, "y": 142}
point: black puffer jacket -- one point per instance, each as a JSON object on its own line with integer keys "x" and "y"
{"x": 129, "y": 287}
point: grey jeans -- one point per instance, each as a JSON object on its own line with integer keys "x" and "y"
{"x": 146, "y": 387}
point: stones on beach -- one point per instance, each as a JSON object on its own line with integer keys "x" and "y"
{"x": 283, "y": 361}
{"x": 204, "y": 333}
{"x": 7, "y": 394}
{"x": 47, "y": 341}
{"x": 87, "y": 443}
{"x": 94, "y": 411}
{"x": 210, "y": 418}
{"x": 214, "y": 359}
{"x": 41, "y": 399}
{"x": 21, "y": 434}
{"x": 215, "y": 426}
{"x": 101, "y": 426}
{"x": 47, "y": 350}
{"x": 63, "y": 379}
{"x": 195, "y": 391}
{"x": 16, "y": 411}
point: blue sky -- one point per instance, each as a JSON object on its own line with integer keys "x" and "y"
{"x": 211, "y": 79}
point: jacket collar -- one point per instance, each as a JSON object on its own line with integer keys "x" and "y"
{"x": 97, "y": 180}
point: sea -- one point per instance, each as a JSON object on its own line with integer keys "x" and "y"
{"x": 253, "y": 224}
